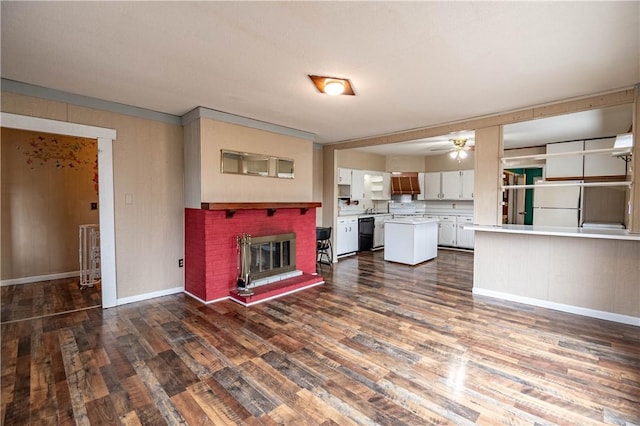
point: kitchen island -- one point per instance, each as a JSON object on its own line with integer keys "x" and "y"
{"x": 410, "y": 240}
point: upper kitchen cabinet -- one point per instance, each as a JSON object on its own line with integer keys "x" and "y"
{"x": 579, "y": 165}
{"x": 603, "y": 165}
{"x": 450, "y": 185}
{"x": 455, "y": 185}
{"x": 565, "y": 167}
{"x": 357, "y": 185}
{"x": 344, "y": 176}
{"x": 351, "y": 184}
{"x": 431, "y": 186}
{"x": 467, "y": 182}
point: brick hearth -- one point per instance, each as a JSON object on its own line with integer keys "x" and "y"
{"x": 211, "y": 257}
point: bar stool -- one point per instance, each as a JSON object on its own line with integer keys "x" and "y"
{"x": 323, "y": 245}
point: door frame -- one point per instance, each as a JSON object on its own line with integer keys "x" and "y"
{"x": 105, "y": 139}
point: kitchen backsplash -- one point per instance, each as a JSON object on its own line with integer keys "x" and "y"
{"x": 347, "y": 207}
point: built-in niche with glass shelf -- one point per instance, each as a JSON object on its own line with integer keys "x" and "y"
{"x": 244, "y": 163}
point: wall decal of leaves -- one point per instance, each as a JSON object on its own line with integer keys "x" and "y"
{"x": 62, "y": 153}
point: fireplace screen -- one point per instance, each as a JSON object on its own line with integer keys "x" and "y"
{"x": 272, "y": 255}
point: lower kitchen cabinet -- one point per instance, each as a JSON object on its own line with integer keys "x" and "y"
{"x": 347, "y": 235}
{"x": 378, "y": 230}
{"x": 464, "y": 237}
{"x": 447, "y": 231}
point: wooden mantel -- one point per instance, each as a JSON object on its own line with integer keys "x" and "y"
{"x": 271, "y": 208}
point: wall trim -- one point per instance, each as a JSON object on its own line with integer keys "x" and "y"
{"x": 105, "y": 138}
{"x": 204, "y": 301}
{"x": 147, "y": 296}
{"x": 201, "y": 112}
{"x": 38, "y": 278}
{"x": 593, "y": 313}
{"x": 37, "y": 124}
{"x": 27, "y": 89}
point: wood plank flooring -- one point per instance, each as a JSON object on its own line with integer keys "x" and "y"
{"x": 22, "y": 301}
{"x": 379, "y": 343}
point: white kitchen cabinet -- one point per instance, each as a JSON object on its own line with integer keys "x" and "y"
{"x": 431, "y": 187}
{"x": 569, "y": 166}
{"x": 450, "y": 183}
{"x": 344, "y": 176}
{"x": 421, "y": 195}
{"x": 378, "y": 230}
{"x": 599, "y": 165}
{"x": 467, "y": 181}
{"x": 386, "y": 186}
{"x": 453, "y": 185}
{"x": 357, "y": 185}
{"x": 447, "y": 231}
{"x": 464, "y": 237}
{"x": 347, "y": 235}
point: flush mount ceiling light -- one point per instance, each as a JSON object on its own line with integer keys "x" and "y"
{"x": 332, "y": 86}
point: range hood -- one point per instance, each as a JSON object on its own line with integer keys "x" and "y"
{"x": 405, "y": 184}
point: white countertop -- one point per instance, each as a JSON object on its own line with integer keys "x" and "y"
{"x": 411, "y": 220}
{"x": 610, "y": 234}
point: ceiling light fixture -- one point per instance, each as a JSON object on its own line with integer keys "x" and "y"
{"x": 459, "y": 149}
{"x": 332, "y": 86}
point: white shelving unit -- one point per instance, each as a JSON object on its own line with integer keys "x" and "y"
{"x": 612, "y": 151}
{"x": 89, "y": 251}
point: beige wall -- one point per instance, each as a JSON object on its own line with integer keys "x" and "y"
{"x": 352, "y": 159}
{"x": 405, "y": 163}
{"x": 44, "y": 200}
{"x": 148, "y": 166}
{"x": 317, "y": 181}
{"x": 444, "y": 163}
{"x": 192, "y": 169}
{"x": 487, "y": 191}
{"x": 221, "y": 187}
{"x": 589, "y": 273}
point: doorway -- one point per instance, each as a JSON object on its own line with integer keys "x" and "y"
{"x": 518, "y": 202}
{"x": 105, "y": 139}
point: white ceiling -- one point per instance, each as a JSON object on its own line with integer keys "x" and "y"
{"x": 412, "y": 64}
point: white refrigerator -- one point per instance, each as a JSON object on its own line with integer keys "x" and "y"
{"x": 557, "y": 205}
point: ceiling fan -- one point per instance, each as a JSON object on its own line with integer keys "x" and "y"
{"x": 459, "y": 149}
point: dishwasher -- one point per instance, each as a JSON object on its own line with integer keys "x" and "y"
{"x": 365, "y": 233}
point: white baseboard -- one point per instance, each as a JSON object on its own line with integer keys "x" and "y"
{"x": 593, "y": 313}
{"x": 204, "y": 301}
{"x": 151, "y": 295}
{"x": 38, "y": 278}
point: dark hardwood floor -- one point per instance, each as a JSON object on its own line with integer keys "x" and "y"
{"x": 379, "y": 343}
{"x": 20, "y": 302}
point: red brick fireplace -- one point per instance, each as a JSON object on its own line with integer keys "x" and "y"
{"x": 211, "y": 250}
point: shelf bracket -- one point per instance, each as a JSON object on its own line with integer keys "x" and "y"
{"x": 271, "y": 212}
{"x": 228, "y": 214}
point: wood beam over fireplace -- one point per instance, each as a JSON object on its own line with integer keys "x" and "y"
{"x": 231, "y": 208}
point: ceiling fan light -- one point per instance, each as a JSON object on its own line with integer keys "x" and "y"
{"x": 462, "y": 154}
{"x": 333, "y": 87}
{"x": 453, "y": 154}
